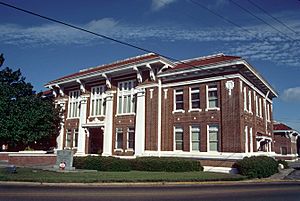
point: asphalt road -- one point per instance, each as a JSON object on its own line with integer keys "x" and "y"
{"x": 248, "y": 192}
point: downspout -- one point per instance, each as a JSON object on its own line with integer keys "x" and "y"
{"x": 159, "y": 119}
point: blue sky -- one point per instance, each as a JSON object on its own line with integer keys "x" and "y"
{"x": 177, "y": 28}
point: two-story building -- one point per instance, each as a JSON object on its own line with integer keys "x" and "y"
{"x": 216, "y": 107}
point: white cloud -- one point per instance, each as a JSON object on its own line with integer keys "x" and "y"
{"x": 291, "y": 94}
{"x": 262, "y": 44}
{"x": 159, "y": 4}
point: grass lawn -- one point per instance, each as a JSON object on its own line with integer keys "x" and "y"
{"x": 30, "y": 175}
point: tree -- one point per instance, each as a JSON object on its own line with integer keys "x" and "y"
{"x": 25, "y": 117}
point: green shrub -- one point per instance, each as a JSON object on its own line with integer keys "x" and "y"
{"x": 257, "y": 166}
{"x": 165, "y": 164}
{"x": 284, "y": 163}
{"x": 101, "y": 163}
{"x": 140, "y": 164}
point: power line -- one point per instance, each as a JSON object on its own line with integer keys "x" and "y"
{"x": 88, "y": 31}
{"x": 274, "y": 18}
{"x": 260, "y": 19}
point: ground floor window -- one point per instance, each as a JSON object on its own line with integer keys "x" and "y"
{"x": 119, "y": 138}
{"x": 213, "y": 138}
{"x": 195, "y": 138}
{"x": 178, "y": 138}
{"x": 68, "y": 138}
{"x": 283, "y": 150}
{"x": 130, "y": 138}
{"x": 75, "y": 138}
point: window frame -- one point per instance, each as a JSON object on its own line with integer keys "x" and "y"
{"x": 130, "y": 130}
{"x": 212, "y": 88}
{"x": 178, "y": 91}
{"x": 119, "y": 131}
{"x": 213, "y": 127}
{"x": 194, "y": 90}
{"x": 178, "y": 129}
{"x": 75, "y": 139}
{"x": 95, "y": 96}
{"x": 67, "y": 140}
{"x": 195, "y": 128}
{"x": 74, "y": 102}
{"x": 123, "y": 92}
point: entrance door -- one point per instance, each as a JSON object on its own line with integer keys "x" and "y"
{"x": 95, "y": 141}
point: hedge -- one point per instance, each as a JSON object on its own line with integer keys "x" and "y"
{"x": 140, "y": 164}
{"x": 257, "y": 166}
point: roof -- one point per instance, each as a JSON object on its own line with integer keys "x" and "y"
{"x": 104, "y": 67}
{"x": 204, "y": 61}
{"x": 281, "y": 126}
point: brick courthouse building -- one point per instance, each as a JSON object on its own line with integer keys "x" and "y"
{"x": 212, "y": 108}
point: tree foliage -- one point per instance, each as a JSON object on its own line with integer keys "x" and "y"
{"x": 26, "y": 117}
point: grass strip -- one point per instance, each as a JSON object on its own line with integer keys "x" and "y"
{"x": 43, "y": 176}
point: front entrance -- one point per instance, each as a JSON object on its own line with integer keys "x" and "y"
{"x": 95, "y": 143}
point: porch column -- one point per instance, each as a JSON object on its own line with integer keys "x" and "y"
{"x": 108, "y": 125}
{"x": 140, "y": 123}
{"x": 60, "y": 138}
{"x": 82, "y": 120}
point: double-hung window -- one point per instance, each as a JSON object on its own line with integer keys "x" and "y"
{"x": 73, "y": 110}
{"x": 194, "y": 99}
{"x": 178, "y": 132}
{"x": 97, "y": 101}
{"x": 126, "y": 97}
{"x": 119, "y": 138}
{"x": 213, "y": 138}
{"x": 75, "y": 138}
{"x": 68, "y": 143}
{"x": 195, "y": 138}
{"x": 212, "y": 95}
{"x": 178, "y": 100}
{"x": 130, "y": 138}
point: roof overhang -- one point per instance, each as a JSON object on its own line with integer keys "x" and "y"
{"x": 239, "y": 65}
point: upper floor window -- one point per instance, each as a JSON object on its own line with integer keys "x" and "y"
{"x": 260, "y": 107}
{"x": 212, "y": 94}
{"x": 245, "y": 99}
{"x": 178, "y": 132}
{"x": 178, "y": 99}
{"x": 249, "y": 102}
{"x": 195, "y": 138}
{"x": 268, "y": 112}
{"x": 213, "y": 138}
{"x": 194, "y": 98}
{"x": 97, "y": 101}
{"x": 126, "y": 97}
{"x": 256, "y": 105}
{"x": 73, "y": 110}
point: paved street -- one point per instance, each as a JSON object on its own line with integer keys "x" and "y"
{"x": 248, "y": 192}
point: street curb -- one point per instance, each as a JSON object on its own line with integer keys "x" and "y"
{"x": 156, "y": 184}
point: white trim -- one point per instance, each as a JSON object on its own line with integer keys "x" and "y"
{"x": 224, "y": 64}
{"x": 195, "y": 90}
{"x": 207, "y": 97}
{"x": 179, "y": 129}
{"x": 100, "y": 97}
{"x": 249, "y": 102}
{"x": 127, "y": 144}
{"x": 73, "y": 102}
{"x": 245, "y": 99}
{"x": 216, "y": 78}
{"x": 251, "y": 140}
{"x": 159, "y": 116}
{"x": 178, "y": 92}
{"x": 126, "y": 92}
{"x": 196, "y": 128}
{"x": 227, "y": 170}
{"x": 246, "y": 139}
{"x": 212, "y": 127}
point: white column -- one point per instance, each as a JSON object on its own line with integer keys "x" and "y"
{"x": 59, "y": 140}
{"x": 251, "y": 140}
{"x": 82, "y": 120}
{"x": 246, "y": 139}
{"x": 140, "y": 123}
{"x": 108, "y": 126}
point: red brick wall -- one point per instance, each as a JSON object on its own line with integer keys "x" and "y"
{"x": 32, "y": 160}
{"x": 282, "y": 141}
